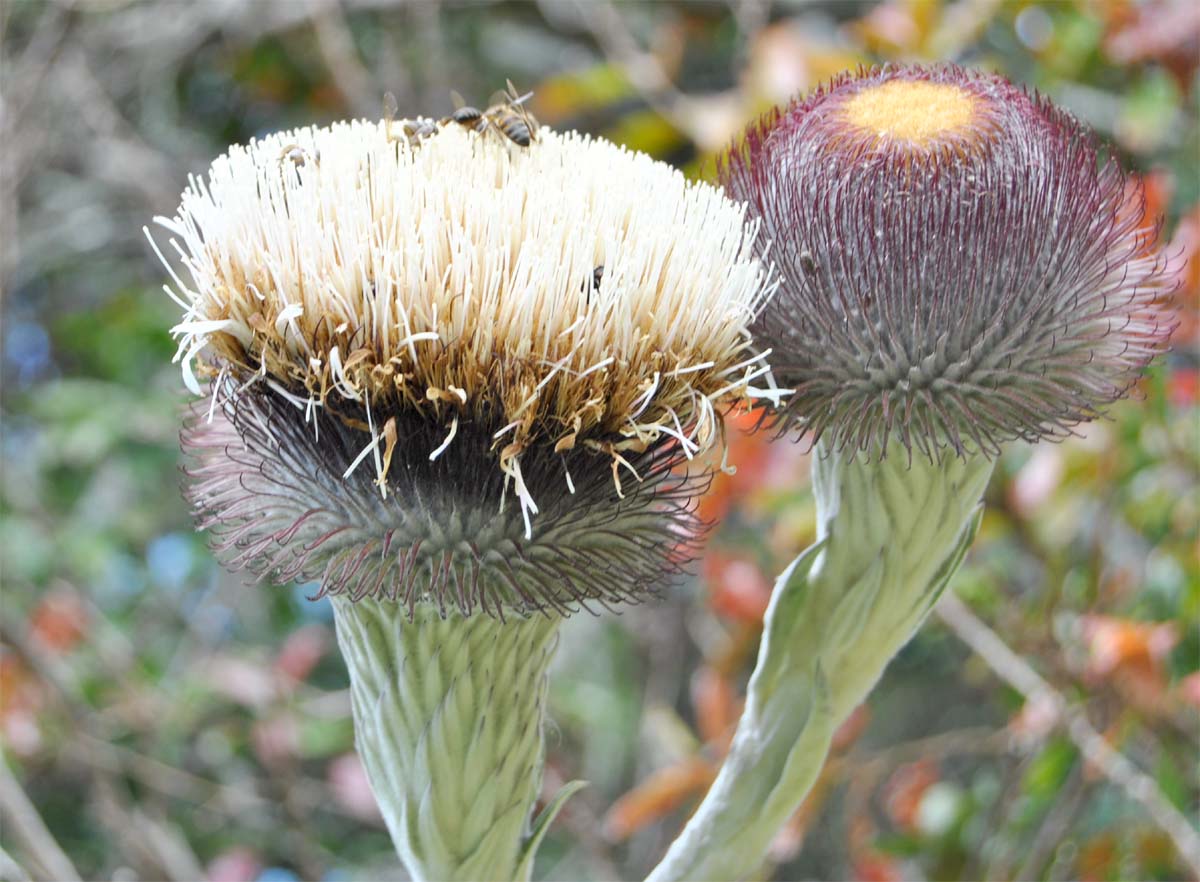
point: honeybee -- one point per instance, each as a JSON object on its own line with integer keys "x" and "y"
{"x": 593, "y": 288}
{"x": 509, "y": 117}
{"x": 414, "y": 129}
{"x": 298, "y": 156}
{"x": 465, "y": 115}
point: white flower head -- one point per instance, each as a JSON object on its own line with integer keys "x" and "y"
{"x": 415, "y": 332}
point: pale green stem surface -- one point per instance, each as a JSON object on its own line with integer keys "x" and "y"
{"x": 890, "y": 535}
{"x": 448, "y": 717}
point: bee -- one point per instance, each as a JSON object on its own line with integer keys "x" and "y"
{"x": 594, "y": 287}
{"x": 298, "y": 156}
{"x": 509, "y": 117}
{"x": 465, "y": 115}
{"x": 414, "y": 129}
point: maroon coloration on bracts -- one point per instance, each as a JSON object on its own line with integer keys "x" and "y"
{"x": 990, "y": 284}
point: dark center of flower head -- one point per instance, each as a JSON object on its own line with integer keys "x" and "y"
{"x": 962, "y": 264}
{"x": 280, "y": 493}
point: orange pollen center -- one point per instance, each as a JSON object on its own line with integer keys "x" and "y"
{"x": 912, "y": 110}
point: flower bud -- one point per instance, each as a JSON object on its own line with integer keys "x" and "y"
{"x": 961, "y": 262}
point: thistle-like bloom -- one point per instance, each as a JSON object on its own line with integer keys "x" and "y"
{"x": 961, "y": 262}
{"x": 448, "y": 367}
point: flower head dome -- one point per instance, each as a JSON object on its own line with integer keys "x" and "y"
{"x": 961, "y": 264}
{"x": 446, "y": 365}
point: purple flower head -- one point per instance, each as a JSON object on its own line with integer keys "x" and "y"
{"x": 961, "y": 262}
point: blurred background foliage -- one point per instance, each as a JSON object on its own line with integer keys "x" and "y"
{"x": 165, "y": 720}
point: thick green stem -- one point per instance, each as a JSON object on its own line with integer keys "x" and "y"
{"x": 890, "y": 535}
{"x": 448, "y": 718}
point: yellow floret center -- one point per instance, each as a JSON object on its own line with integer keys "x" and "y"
{"x": 914, "y": 111}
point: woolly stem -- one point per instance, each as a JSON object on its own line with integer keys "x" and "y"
{"x": 448, "y": 718}
{"x": 890, "y": 535}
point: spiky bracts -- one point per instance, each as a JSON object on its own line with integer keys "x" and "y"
{"x": 961, "y": 262}
{"x": 273, "y": 488}
{"x": 450, "y": 367}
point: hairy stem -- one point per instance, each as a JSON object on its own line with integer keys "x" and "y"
{"x": 448, "y": 714}
{"x": 891, "y": 533}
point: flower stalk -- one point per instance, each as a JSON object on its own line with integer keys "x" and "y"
{"x": 891, "y": 534}
{"x": 448, "y": 714}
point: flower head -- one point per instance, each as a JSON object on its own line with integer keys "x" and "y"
{"x": 447, "y": 365}
{"x": 961, "y": 263}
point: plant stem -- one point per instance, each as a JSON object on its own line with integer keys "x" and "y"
{"x": 891, "y": 533}
{"x": 448, "y": 716}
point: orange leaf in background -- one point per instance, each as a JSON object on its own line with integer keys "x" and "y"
{"x": 868, "y": 864}
{"x": 860, "y": 833}
{"x": 1115, "y": 644}
{"x": 1184, "y": 251}
{"x": 851, "y": 729}
{"x": 904, "y": 789}
{"x": 1183, "y": 387}
{"x": 716, "y": 704}
{"x": 656, "y": 797}
{"x": 738, "y": 589}
{"x": 875, "y": 867}
{"x": 59, "y": 621}
{"x": 16, "y": 684}
{"x": 1130, "y": 655}
{"x": 1098, "y": 859}
{"x": 20, "y": 701}
{"x": 747, "y": 455}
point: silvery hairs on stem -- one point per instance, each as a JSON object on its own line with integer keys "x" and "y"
{"x": 963, "y": 264}
{"x": 448, "y": 367}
